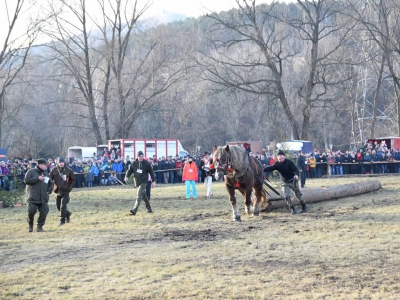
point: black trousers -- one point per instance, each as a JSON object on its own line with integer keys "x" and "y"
{"x": 61, "y": 202}
{"x": 43, "y": 209}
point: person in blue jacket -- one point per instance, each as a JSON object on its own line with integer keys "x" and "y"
{"x": 95, "y": 171}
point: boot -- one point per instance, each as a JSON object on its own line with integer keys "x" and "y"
{"x": 149, "y": 211}
{"x": 30, "y": 221}
{"x": 133, "y": 211}
{"x": 293, "y": 210}
{"x": 39, "y": 228}
{"x": 68, "y": 216}
{"x": 303, "y": 208}
{"x": 62, "y": 222}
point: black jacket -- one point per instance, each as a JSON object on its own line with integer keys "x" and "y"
{"x": 301, "y": 163}
{"x": 141, "y": 171}
{"x": 287, "y": 169}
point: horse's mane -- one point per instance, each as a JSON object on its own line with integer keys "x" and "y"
{"x": 239, "y": 158}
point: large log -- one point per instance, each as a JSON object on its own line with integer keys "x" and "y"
{"x": 313, "y": 195}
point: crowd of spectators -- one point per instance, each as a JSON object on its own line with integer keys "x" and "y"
{"x": 109, "y": 168}
{"x": 372, "y": 158}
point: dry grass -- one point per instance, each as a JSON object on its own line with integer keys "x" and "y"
{"x": 343, "y": 249}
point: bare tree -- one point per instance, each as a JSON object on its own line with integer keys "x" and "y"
{"x": 71, "y": 47}
{"x": 117, "y": 29}
{"x": 380, "y": 29}
{"x": 152, "y": 70}
{"x": 323, "y": 31}
{"x": 260, "y": 47}
{"x": 14, "y": 52}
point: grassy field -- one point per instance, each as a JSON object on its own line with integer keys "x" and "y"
{"x": 343, "y": 249}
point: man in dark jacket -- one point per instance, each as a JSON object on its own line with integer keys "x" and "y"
{"x": 38, "y": 188}
{"x": 141, "y": 169}
{"x": 289, "y": 174}
{"x": 64, "y": 179}
{"x": 302, "y": 165}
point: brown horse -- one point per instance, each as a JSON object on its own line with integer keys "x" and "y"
{"x": 243, "y": 173}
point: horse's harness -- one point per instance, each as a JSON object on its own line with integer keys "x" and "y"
{"x": 230, "y": 171}
{"x": 229, "y": 167}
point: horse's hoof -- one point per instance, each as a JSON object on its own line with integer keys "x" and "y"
{"x": 256, "y": 214}
{"x": 237, "y": 219}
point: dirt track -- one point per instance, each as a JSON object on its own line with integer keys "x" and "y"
{"x": 343, "y": 249}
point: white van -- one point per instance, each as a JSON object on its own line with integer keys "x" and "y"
{"x": 82, "y": 152}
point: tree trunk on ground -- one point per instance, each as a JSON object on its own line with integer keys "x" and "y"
{"x": 313, "y": 195}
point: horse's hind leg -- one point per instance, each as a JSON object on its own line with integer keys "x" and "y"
{"x": 256, "y": 202}
{"x": 232, "y": 199}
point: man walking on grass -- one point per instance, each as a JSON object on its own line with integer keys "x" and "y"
{"x": 38, "y": 188}
{"x": 141, "y": 169}
{"x": 64, "y": 179}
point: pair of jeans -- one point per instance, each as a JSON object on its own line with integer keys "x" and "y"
{"x": 332, "y": 168}
{"x": 303, "y": 176}
{"x": 191, "y": 184}
{"x": 339, "y": 170}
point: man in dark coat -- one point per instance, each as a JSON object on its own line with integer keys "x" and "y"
{"x": 141, "y": 169}
{"x": 38, "y": 188}
{"x": 302, "y": 165}
{"x": 289, "y": 174}
{"x": 64, "y": 181}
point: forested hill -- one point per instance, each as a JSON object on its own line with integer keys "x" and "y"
{"x": 320, "y": 70}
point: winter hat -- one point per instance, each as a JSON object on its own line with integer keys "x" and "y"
{"x": 140, "y": 153}
{"x": 61, "y": 159}
{"x": 41, "y": 161}
{"x": 280, "y": 152}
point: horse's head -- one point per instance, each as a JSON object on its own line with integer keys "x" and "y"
{"x": 221, "y": 159}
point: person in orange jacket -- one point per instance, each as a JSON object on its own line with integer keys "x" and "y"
{"x": 190, "y": 177}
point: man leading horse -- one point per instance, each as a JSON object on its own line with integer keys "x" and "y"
{"x": 289, "y": 174}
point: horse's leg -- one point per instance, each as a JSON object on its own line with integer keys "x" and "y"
{"x": 256, "y": 203}
{"x": 247, "y": 195}
{"x": 232, "y": 199}
{"x": 247, "y": 208}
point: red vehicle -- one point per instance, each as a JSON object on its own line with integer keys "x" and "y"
{"x": 150, "y": 147}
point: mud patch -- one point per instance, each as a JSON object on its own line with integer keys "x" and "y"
{"x": 190, "y": 235}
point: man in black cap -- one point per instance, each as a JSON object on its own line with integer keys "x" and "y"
{"x": 289, "y": 174}
{"x": 141, "y": 169}
{"x": 38, "y": 188}
{"x": 64, "y": 181}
